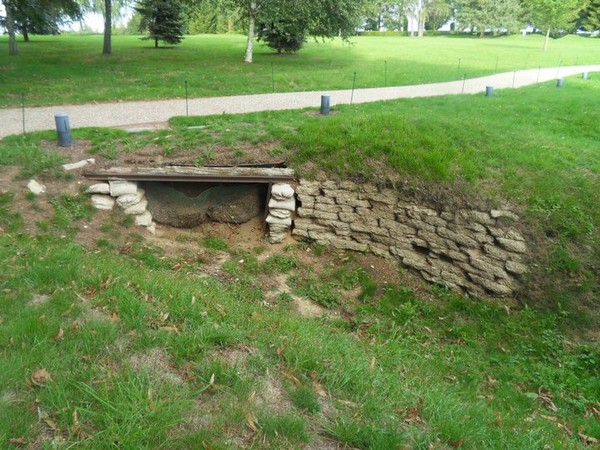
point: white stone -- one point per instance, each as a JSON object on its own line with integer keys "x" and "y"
{"x": 120, "y": 187}
{"x": 35, "y": 187}
{"x": 282, "y": 191}
{"x": 138, "y": 208}
{"x": 144, "y": 219}
{"x": 79, "y": 164}
{"x": 127, "y": 200}
{"x": 289, "y": 204}
{"x": 105, "y": 202}
{"x": 99, "y": 188}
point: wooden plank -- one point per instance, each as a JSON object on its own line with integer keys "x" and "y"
{"x": 194, "y": 174}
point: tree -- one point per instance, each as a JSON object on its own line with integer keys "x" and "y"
{"x": 283, "y": 35}
{"x": 161, "y": 20}
{"x": 324, "y": 18}
{"x": 553, "y": 16}
{"x": 419, "y": 11}
{"x": 494, "y": 15}
{"x": 109, "y": 10}
{"x": 10, "y": 27}
{"x": 589, "y": 17}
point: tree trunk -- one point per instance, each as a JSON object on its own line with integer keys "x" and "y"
{"x": 547, "y": 39}
{"x": 25, "y": 33}
{"x": 250, "y": 43}
{"x": 107, "y": 48}
{"x": 10, "y": 28}
{"x": 155, "y": 42}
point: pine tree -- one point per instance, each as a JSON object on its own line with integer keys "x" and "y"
{"x": 161, "y": 20}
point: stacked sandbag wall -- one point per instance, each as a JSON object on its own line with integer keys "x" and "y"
{"x": 128, "y": 196}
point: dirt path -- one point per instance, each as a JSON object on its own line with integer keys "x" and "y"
{"x": 156, "y": 113}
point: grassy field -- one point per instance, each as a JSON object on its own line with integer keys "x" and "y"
{"x": 120, "y": 341}
{"x": 110, "y": 338}
{"x": 70, "y": 69}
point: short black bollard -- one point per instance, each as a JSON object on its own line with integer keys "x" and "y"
{"x": 325, "y": 105}
{"x": 560, "y": 82}
{"x": 489, "y": 91}
{"x": 63, "y": 129}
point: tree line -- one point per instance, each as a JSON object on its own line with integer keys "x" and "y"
{"x": 285, "y": 25}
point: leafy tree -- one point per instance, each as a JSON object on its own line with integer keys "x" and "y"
{"x": 553, "y": 16}
{"x": 325, "y": 18}
{"x": 589, "y": 17}
{"x": 283, "y": 35}
{"x": 161, "y": 20}
{"x": 110, "y": 10}
{"x": 214, "y": 16}
{"x": 36, "y": 17}
{"x": 422, "y": 10}
{"x": 494, "y": 15}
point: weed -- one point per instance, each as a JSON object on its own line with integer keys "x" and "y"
{"x": 215, "y": 244}
{"x": 304, "y": 398}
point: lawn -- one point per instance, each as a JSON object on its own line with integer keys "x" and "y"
{"x": 113, "y": 338}
{"x": 70, "y": 68}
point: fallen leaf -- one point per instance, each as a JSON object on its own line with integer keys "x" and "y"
{"x": 319, "y": 390}
{"x": 114, "y": 318}
{"x": 51, "y": 424}
{"x": 291, "y": 377}
{"x": 170, "y": 329}
{"x": 546, "y": 398}
{"x": 74, "y": 325}
{"x": 59, "y": 335}
{"x": 251, "y": 420}
{"x": 76, "y": 425}
{"x": 41, "y": 377}
{"x": 588, "y": 440}
{"x": 18, "y": 441}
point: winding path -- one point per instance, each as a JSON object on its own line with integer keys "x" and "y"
{"x": 147, "y": 114}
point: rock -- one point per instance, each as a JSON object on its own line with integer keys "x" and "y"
{"x": 138, "y": 208}
{"x": 99, "y": 188}
{"x": 79, "y": 164}
{"x": 105, "y": 202}
{"x": 35, "y": 187}
{"x": 497, "y": 214}
{"x": 513, "y": 246}
{"x": 120, "y": 187}
{"x": 516, "y": 268}
{"x": 124, "y": 201}
{"x": 152, "y": 228}
{"x": 144, "y": 219}
{"x": 282, "y": 191}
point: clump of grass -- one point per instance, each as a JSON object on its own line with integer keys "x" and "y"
{"x": 215, "y": 243}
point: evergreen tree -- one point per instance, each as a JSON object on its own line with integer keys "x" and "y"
{"x": 161, "y": 20}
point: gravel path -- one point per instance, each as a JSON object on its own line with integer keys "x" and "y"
{"x": 153, "y": 114}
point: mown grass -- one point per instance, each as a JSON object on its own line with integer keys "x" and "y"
{"x": 395, "y": 368}
{"x": 70, "y": 68}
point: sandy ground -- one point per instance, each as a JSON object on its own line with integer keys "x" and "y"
{"x": 153, "y": 114}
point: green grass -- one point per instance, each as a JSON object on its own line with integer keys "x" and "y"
{"x": 452, "y": 372}
{"x": 71, "y": 69}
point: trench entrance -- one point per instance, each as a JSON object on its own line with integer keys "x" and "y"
{"x": 184, "y": 197}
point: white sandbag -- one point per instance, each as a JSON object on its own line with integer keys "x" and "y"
{"x": 282, "y": 191}
{"x": 120, "y": 187}
{"x": 35, "y": 187}
{"x": 144, "y": 219}
{"x": 127, "y": 200}
{"x": 79, "y": 164}
{"x": 105, "y": 202}
{"x": 289, "y": 204}
{"x": 138, "y": 208}
{"x": 278, "y": 221}
{"x": 98, "y": 188}
{"x": 152, "y": 228}
{"x": 280, "y": 213}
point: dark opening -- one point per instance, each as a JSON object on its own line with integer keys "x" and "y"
{"x": 188, "y": 204}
